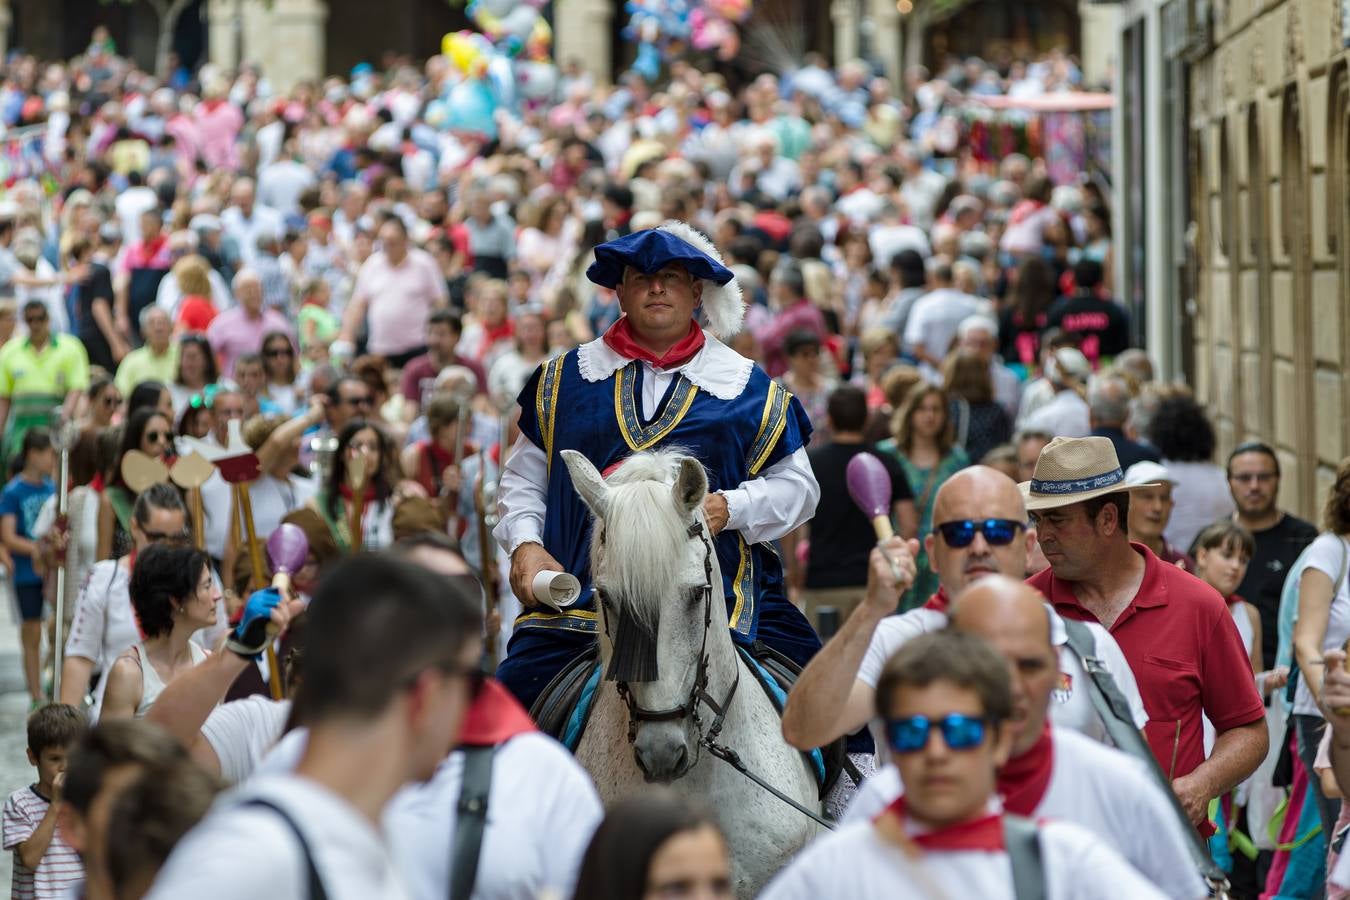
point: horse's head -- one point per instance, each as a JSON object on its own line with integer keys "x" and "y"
{"x": 658, "y": 592}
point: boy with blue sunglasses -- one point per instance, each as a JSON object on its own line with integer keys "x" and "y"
{"x": 946, "y": 702}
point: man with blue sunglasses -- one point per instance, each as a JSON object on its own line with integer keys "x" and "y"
{"x": 1051, "y": 773}
{"x": 947, "y": 706}
{"x": 979, "y": 530}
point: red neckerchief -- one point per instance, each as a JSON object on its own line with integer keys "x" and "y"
{"x": 984, "y": 832}
{"x": 1022, "y": 780}
{"x": 619, "y": 338}
{"x": 97, "y": 483}
{"x": 494, "y": 333}
{"x": 346, "y": 491}
{"x": 494, "y": 717}
{"x": 938, "y": 601}
{"x": 1024, "y": 209}
{"x": 1234, "y": 599}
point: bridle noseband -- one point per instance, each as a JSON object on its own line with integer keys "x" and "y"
{"x": 698, "y": 693}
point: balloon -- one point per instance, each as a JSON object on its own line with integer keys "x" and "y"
{"x": 287, "y": 547}
{"x": 519, "y": 22}
{"x": 471, "y": 107}
{"x": 537, "y": 80}
{"x": 502, "y": 78}
{"x": 461, "y": 50}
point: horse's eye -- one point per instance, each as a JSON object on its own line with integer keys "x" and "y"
{"x": 694, "y": 595}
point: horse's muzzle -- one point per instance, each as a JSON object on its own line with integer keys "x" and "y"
{"x": 662, "y": 751}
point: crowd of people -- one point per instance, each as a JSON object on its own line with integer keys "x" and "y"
{"x": 406, "y": 329}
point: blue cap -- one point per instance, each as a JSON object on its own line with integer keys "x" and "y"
{"x": 650, "y": 251}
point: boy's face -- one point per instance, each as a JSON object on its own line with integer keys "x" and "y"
{"x": 50, "y": 763}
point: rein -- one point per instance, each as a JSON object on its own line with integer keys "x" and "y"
{"x": 699, "y": 694}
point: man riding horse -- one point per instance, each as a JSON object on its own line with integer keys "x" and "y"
{"x": 657, "y": 379}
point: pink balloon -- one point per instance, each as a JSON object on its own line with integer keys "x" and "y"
{"x": 869, "y": 484}
{"x": 287, "y": 547}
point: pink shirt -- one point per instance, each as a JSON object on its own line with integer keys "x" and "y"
{"x": 400, "y": 300}
{"x": 233, "y": 333}
{"x": 218, "y": 124}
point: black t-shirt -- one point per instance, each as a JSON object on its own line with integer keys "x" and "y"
{"x": 841, "y": 534}
{"x": 1276, "y": 550}
{"x": 1102, "y": 325}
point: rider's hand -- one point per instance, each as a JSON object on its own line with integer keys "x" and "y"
{"x": 715, "y": 509}
{"x": 450, "y": 479}
{"x": 528, "y": 561}
{"x": 890, "y": 557}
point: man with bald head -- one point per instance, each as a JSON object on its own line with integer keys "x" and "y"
{"x": 978, "y": 529}
{"x": 1055, "y": 772}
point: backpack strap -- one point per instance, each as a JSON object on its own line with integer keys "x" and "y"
{"x": 1114, "y": 711}
{"x": 316, "y": 889}
{"x": 470, "y": 820}
{"x": 1022, "y": 840}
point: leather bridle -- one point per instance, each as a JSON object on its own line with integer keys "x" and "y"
{"x": 699, "y": 695}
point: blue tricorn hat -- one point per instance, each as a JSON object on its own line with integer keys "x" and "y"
{"x": 675, "y": 242}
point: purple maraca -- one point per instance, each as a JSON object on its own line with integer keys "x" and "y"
{"x": 869, "y": 484}
{"x": 287, "y": 547}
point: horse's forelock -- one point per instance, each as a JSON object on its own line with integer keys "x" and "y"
{"x": 645, "y": 536}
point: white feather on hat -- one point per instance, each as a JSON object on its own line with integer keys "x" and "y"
{"x": 722, "y": 303}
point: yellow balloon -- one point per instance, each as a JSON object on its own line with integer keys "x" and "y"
{"x": 460, "y": 50}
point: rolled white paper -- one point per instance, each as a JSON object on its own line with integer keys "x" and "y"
{"x": 558, "y": 589}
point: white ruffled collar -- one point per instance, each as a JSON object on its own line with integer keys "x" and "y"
{"x": 716, "y": 368}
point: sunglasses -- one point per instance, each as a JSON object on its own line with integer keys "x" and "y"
{"x": 277, "y": 351}
{"x": 959, "y": 731}
{"x": 33, "y": 320}
{"x": 156, "y": 437}
{"x": 358, "y": 401}
{"x": 998, "y": 532}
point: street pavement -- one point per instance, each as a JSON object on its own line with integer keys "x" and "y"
{"x": 15, "y": 772}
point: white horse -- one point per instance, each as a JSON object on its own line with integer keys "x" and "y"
{"x": 660, "y": 605}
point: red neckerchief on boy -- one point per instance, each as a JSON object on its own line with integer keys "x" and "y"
{"x": 984, "y": 832}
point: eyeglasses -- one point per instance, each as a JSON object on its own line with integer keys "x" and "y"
{"x": 363, "y": 400}
{"x": 910, "y": 734}
{"x": 998, "y": 532}
{"x": 156, "y": 437}
{"x": 275, "y": 352}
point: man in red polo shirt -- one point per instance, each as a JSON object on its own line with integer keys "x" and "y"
{"x": 1173, "y": 628}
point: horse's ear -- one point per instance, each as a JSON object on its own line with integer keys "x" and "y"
{"x": 592, "y": 488}
{"x": 691, "y": 484}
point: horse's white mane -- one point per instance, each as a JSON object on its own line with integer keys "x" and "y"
{"x": 645, "y": 533}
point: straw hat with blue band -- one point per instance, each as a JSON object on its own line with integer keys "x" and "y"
{"x": 1071, "y": 470}
{"x": 675, "y": 242}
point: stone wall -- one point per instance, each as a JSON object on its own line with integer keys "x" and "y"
{"x": 1270, "y": 138}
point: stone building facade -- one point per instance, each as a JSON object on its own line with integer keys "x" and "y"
{"x": 1246, "y": 245}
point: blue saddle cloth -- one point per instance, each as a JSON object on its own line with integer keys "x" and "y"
{"x": 581, "y": 712}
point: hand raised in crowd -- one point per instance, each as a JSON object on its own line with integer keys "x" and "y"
{"x": 266, "y": 614}
{"x": 528, "y": 561}
{"x": 891, "y": 571}
{"x": 1335, "y": 699}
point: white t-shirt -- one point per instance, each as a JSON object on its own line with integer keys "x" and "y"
{"x": 104, "y": 624}
{"x": 542, "y": 811}
{"x": 1066, "y": 415}
{"x": 239, "y": 851}
{"x": 857, "y": 863}
{"x": 1070, "y": 705}
{"x": 1327, "y": 554}
{"x": 1108, "y": 792}
{"x": 272, "y": 498}
{"x": 242, "y": 731}
{"x": 935, "y": 317}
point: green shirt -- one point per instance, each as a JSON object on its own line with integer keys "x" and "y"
{"x": 57, "y": 369}
{"x": 141, "y": 365}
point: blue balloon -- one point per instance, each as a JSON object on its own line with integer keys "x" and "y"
{"x": 470, "y": 107}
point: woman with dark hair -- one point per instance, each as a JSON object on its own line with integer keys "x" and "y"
{"x": 281, "y": 368}
{"x": 1024, "y": 318}
{"x": 173, "y": 595}
{"x": 1181, "y": 431}
{"x": 102, "y": 402}
{"x": 924, "y": 442}
{"x": 655, "y": 846}
{"x": 151, "y": 395}
{"x": 980, "y": 423}
{"x": 149, "y": 431}
{"x": 196, "y": 370}
{"x": 365, "y": 439}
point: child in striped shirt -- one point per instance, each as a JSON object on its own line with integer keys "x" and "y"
{"x": 45, "y": 866}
